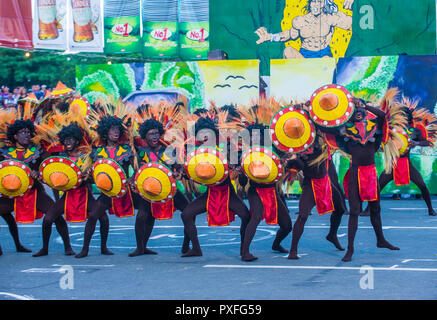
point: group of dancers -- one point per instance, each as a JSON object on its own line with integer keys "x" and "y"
{"x": 155, "y": 158}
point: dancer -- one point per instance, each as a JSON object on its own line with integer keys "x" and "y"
{"x": 264, "y": 199}
{"x": 220, "y": 201}
{"x": 361, "y": 138}
{"x": 153, "y": 131}
{"x": 19, "y": 135}
{"x": 421, "y": 130}
{"x": 318, "y": 189}
{"x": 113, "y": 140}
{"x": 78, "y": 200}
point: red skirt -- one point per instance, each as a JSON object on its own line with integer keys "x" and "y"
{"x": 217, "y": 206}
{"x": 367, "y": 183}
{"x": 76, "y": 204}
{"x": 163, "y": 210}
{"x": 270, "y": 204}
{"x": 25, "y": 207}
{"x": 124, "y": 206}
{"x": 401, "y": 171}
{"x": 322, "y": 193}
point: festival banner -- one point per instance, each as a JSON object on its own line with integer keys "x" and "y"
{"x": 16, "y": 24}
{"x": 160, "y": 29}
{"x": 193, "y": 29}
{"x": 277, "y": 29}
{"x": 50, "y": 24}
{"x": 85, "y": 26}
{"x": 122, "y": 27}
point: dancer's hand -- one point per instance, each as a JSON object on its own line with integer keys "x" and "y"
{"x": 35, "y": 175}
{"x": 348, "y": 4}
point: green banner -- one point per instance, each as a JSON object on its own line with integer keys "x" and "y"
{"x": 122, "y": 35}
{"x": 194, "y": 40}
{"x": 160, "y": 40}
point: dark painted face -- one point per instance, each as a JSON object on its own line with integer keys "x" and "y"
{"x": 113, "y": 134}
{"x": 207, "y": 137}
{"x": 359, "y": 114}
{"x": 23, "y": 137}
{"x": 152, "y": 138}
{"x": 70, "y": 144}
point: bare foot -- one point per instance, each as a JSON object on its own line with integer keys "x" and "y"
{"x": 334, "y": 241}
{"x": 386, "y": 244}
{"x": 137, "y": 252}
{"x": 148, "y": 251}
{"x": 40, "y": 253}
{"x": 82, "y": 254}
{"x": 248, "y": 257}
{"x": 20, "y": 248}
{"x": 192, "y": 253}
{"x": 278, "y": 247}
{"x": 348, "y": 256}
{"x": 293, "y": 255}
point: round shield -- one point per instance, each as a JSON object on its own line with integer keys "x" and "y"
{"x": 82, "y": 105}
{"x": 15, "y": 178}
{"x": 405, "y": 138}
{"x": 155, "y": 182}
{"x": 60, "y": 173}
{"x": 207, "y": 166}
{"x": 262, "y": 165}
{"x": 110, "y": 178}
{"x": 331, "y": 106}
{"x": 292, "y": 130}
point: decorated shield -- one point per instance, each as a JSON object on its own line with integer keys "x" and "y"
{"x": 60, "y": 173}
{"x": 110, "y": 178}
{"x": 331, "y": 106}
{"x": 207, "y": 166}
{"x": 292, "y": 130}
{"x": 155, "y": 182}
{"x": 15, "y": 178}
{"x": 82, "y": 105}
{"x": 262, "y": 165}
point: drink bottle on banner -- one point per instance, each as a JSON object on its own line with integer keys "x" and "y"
{"x": 47, "y": 20}
{"x": 82, "y": 20}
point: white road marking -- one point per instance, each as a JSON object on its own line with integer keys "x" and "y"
{"x": 426, "y": 260}
{"x": 235, "y": 266}
{"x": 16, "y": 296}
{"x": 408, "y": 208}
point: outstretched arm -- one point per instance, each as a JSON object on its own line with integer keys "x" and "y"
{"x": 342, "y": 21}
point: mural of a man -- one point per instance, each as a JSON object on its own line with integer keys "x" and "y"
{"x": 315, "y": 29}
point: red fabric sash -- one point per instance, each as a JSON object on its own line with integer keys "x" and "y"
{"x": 163, "y": 210}
{"x": 323, "y": 194}
{"x": 368, "y": 183}
{"x": 346, "y": 183}
{"x": 270, "y": 204}
{"x": 124, "y": 206}
{"x": 76, "y": 204}
{"x": 217, "y": 206}
{"x": 401, "y": 172}
{"x": 25, "y": 207}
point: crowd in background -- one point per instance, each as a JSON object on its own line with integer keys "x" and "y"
{"x": 9, "y": 98}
